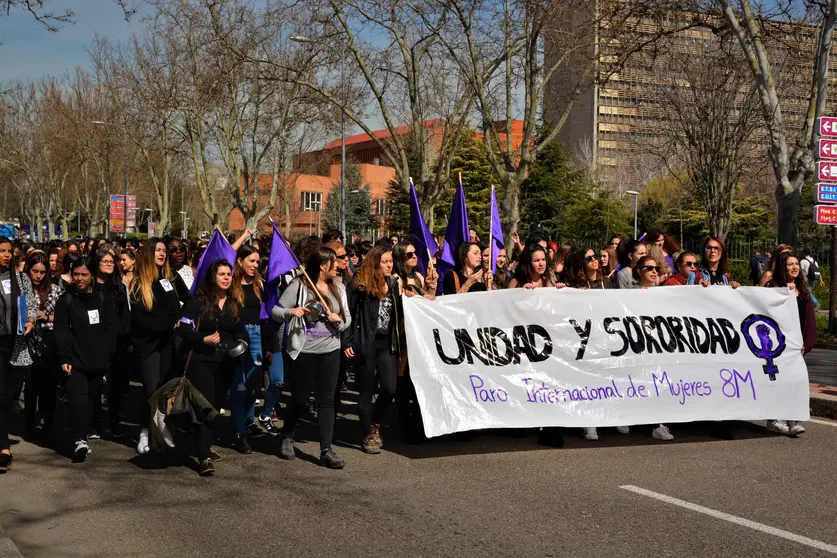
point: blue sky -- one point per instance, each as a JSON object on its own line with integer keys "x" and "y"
{"x": 28, "y": 51}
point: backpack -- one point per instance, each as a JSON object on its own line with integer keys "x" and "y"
{"x": 758, "y": 267}
{"x": 813, "y": 270}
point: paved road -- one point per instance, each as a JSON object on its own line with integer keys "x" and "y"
{"x": 493, "y": 496}
{"x": 822, "y": 367}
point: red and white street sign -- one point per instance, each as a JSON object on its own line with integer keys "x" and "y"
{"x": 827, "y": 171}
{"x": 827, "y": 148}
{"x": 825, "y": 214}
{"x": 827, "y": 126}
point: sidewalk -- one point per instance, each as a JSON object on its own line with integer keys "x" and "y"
{"x": 7, "y": 547}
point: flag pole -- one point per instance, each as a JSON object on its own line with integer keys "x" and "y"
{"x": 310, "y": 282}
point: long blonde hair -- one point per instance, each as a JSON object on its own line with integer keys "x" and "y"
{"x": 258, "y": 282}
{"x": 146, "y": 272}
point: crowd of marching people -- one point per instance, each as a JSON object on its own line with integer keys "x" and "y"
{"x": 217, "y": 329}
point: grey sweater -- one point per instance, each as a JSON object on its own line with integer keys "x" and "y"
{"x": 306, "y": 337}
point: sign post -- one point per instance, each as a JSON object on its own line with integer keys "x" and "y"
{"x": 827, "y": 194}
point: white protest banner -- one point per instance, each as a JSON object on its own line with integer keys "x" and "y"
{"x": 550, "y": 357}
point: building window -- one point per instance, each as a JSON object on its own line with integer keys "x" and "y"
{"x": 311, "y": 201}
{"x": 381, "y": 207}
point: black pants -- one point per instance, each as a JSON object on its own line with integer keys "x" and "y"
{"x": 155, "y": 368}
{"x": 204, "y": 376}
{"x": 83, "y": 388}
{"x": 386, "y": 365}
{"x": 11, "y": 379}
{"x": 39, "y": 396}
{"x": 301, "y": 377}
{"x": 119, "y": 377}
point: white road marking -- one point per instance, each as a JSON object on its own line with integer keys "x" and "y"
{"x": 733, "y": 519}
{"x": 826, "y": 422}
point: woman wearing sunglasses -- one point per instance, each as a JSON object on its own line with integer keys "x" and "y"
{"x": 179, "y": 261}
{"x": 714, "y": 265}
{"x": 685, "y": 265}
{"x": 583, "y": 271}
{"x": 646, "y": 274}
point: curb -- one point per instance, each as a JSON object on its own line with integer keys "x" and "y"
{"x": 824, "y": 406}
{"x": 7, "y": 547}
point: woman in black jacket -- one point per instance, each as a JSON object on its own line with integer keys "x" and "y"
{"x": 211, "y": 322}
{"x": 374, "y": 299}
{"x": 156, "y": 294}
{"x": 86, "y": 325}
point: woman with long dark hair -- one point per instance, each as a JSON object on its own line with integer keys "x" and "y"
{"x": 65, "y": 280}
{"x": 583, "y": 271}
{"x": 14, "y": 355}
{"x": 313, "y": 347}
{"x": 211, "y": 323}
{"x": 405, "y": 267}
{"x": 372, "y": 341}
{"x": 787, "y": 272}
{"x": 155, "y": 311}
{"x": 469, "y": 276}
{"x": 631, "y": 252}
{"x": 774, "y": 259}
{"x": 532, "y": 269}
{"x": 86, "y": 326}
{"x": 247, "y": 288}
{"x": 39, "y": 395}
{"x": 713, "y": 266}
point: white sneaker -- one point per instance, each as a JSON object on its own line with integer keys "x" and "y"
{"x": 590, "y": 434}
{"x": 81, "y": 452}
{"x": 779, "y": 426}
{"x": 794, "y": 428}
{"x": 142, "y": 446}
{"x": 160, "y": 422}
{"x": 662, "y": 433}
{"x": 623, "y": 429}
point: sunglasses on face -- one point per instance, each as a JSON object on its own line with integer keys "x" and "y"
{"x": 177, "y": 249}
{"x": 589, "y": 258}
{"x": 652, "y": 268}
{"x": 342, "y": 257}
{"x": 410, "y": 255}
{"x": 352, "y": 255}
{"x": 690, "y": 264}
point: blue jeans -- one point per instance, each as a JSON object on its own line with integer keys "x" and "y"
{"x": 277, "y": 379}
{"x": 246, "y": 380}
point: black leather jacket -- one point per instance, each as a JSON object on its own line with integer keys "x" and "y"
{"x": 360, "y": 336}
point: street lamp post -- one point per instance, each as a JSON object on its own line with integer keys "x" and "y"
{"x": 635, "y": 194}
{"x": 307, "y": 40}
{"x": 124, "y": 176}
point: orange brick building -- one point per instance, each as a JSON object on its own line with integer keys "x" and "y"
{"x": 308, "y": 192}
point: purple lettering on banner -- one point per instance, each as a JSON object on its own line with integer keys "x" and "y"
{"x": 641, "y": 390}
{"x": 732, "y": 381}
{"x": 482, "y": 395}
{"x": 474, "y": 386}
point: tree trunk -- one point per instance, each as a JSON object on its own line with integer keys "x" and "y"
{"x": 788, "y": 212}
{"x": 511, "y": 208}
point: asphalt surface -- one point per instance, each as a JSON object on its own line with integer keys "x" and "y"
{"x": 496, "y": 495}
{"x": 822, "y": 367}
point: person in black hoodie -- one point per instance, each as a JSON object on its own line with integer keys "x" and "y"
{"x": 86, "y": 325}
{"x": 211, "y": 323}
{"x": 156, "y": 294}
{"x": 374, "y": 299}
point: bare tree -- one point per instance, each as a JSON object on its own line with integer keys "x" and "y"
{"x": 764, "y": 33}
{"x": 710, "y": 116}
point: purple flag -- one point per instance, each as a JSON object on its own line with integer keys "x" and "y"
{"x": 217, "y": 249}
{"x": 456, "y": 234}
{"x": 423, "y": 239}
{"x": 496, "y": 239}
{"x": 282, "y": 259}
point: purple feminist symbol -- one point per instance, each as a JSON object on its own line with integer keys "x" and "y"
{"x": 765, "y": 348}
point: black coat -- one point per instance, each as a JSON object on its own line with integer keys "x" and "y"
{"x": 360, "y": 336}
{"x": 86, "y": 328}
{"x": 221, "y": 321}
{"x": 151, "y": 330}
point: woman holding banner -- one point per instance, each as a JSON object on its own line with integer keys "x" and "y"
{"x": 634, "y": 250}
{"x": 583, "y": 271}
{"x": 532, "y": 269}
{"x": 315, "y": 307}
{"x": 405, "y": 266}
{"x": 469, "y": 275}
{"x": 155, "y": 311}
{"x": 714, "y": 265}
{"x": 373, "y": 340}
{"x": 685, "y": 265}
{"x": 646, "y": 275}
{"x": 787, "y": 272}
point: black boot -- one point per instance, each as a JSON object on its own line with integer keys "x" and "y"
{"x": 329, "y": 459}
{"x": 241, "y": 444}
{"x": 286, "y": 450}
